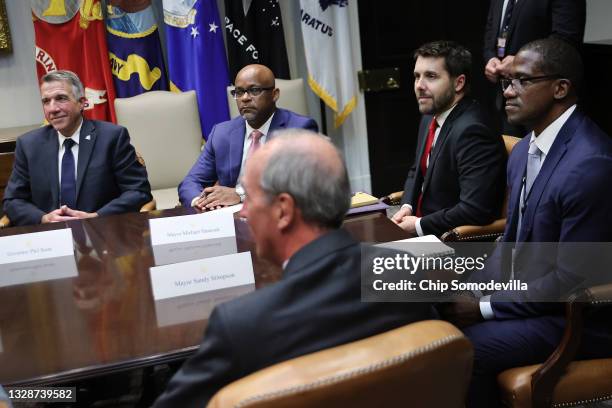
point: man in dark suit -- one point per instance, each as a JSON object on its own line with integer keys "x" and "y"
{"x": 457, "y": 178}
{"x": 73, "y": 168}
{"x": 513, "y": 23}
{"x": 297, "y": 194}
{"x": 230, "y": 143}
{"x": 555, "y": 177}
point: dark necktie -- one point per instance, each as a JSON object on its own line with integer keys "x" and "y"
{"x": 423, "y": 163}
{"x": 507, "y": 17}
{"x": 68, "y": 183}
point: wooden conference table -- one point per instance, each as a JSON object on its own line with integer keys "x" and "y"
{"x": 105, "y": 319}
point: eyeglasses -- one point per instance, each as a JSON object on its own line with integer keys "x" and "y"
{"x": 518, "y": 84}
{"x": 254, "y": 91}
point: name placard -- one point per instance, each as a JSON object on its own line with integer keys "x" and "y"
{"x": 202, "y": 275}
{"x": 36, "y": 246}
{"x": 199, "y": 306}
{"x": 185, "y": 228}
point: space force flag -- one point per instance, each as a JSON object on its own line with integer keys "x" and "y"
{"x": 329, "y": 57}
{"x": 196, "y": 56}
{"x": 134, "y": 48}
{"x": 70, "y": 35}
{"x": 254, "y": 30}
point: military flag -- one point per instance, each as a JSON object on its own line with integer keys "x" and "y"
{"x": 254, "y": 31}
{"x": 196, "y": 56}
{"x": 135, "y": 52}
{"x": 329, "y": 56}
{"x": 70, "y": 35}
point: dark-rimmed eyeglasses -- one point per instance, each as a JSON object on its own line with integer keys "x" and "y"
{"x": 518, "y": 84}
{"x": 254, "y": 91}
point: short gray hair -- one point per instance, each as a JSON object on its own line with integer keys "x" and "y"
{"x": 66, "y": 76}
{"x": 320, "y": 188}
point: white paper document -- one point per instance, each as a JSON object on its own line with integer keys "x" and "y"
{"x": 36, "y": 246}
{"x": 195, "y": 227}
{"x": 202, "y": 275}
{"x": 425, "y": 246}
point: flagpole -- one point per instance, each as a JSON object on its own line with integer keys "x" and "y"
{"x": 323, "y": 117}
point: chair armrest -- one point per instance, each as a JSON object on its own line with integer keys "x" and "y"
{"x": 5, "y": 222}
{"x": 476, "y": 232}
{"x": 546, "y": 377}
{"x": 150, "y": 206}
{"x": 393, "y": 198}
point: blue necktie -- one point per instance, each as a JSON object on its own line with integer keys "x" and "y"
{"x": 68, "y": 183}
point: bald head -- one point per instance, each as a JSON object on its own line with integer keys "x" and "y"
{"x": 262, "y": 72}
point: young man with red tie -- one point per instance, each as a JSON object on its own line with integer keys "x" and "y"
{"x": 459, "y": 170}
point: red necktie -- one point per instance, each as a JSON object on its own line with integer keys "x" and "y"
{"x": 255, "y": 136}
{"x": 428, "y": 143}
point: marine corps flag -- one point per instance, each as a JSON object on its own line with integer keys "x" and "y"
{"x": 254, "y": 32}
{"x": 70, "y": 35}
{"x": 196, "y": 56}
{"x": 329, "y": 57}
{"x": 134, "y": 48}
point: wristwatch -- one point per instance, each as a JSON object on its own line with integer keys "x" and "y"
{"x": 241, "y": 193}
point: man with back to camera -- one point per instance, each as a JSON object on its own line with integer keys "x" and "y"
{"x": 74, "y": 167}
{"x": 297, "y": 195}
{"x": 212, "y": 182}
{"x": 555, "y": 178}
{"x": 458, "y": 176}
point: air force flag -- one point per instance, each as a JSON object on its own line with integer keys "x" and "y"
{"x": 325, "y": 29}
{"x": 196, "y": 56}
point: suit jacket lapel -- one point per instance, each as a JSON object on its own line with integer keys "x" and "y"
{"x": 236, "y": 148}
{"x": 87, "y": 139}
{"x": 51, "y": 149}
{"x": 422, "y": 138}
{"x": 442, "y": 137}
{"x": 279, "y": 121}
{"x": 515, "y": 191}
{"x": 555, "y": 154}
{"x": 497, "y": 15}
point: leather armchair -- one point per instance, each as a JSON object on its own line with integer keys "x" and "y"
{"x": 165, "y": 128}
{"x": 5, "y": 222}
{"x": 488, "y": 232}
{"x": 561, "y": 381}
{"x": 424, "y": 364}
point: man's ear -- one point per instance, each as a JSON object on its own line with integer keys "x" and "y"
{"x": 286, "y": 211}
{"x": 562, "y": 88}
{"x": 84, "y": 103}
{"x": 275, "y": 94}
{"x": 460, "y": 83}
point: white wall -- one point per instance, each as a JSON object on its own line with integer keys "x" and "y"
{"x": 19, "y": 96}
{"x": 599, "y": 15}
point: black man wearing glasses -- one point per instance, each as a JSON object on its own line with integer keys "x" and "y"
{"x": 558, "y": 177}
{"x": 213, "y": 181}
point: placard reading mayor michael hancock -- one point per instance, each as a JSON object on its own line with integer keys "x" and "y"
{"x": 524, "y": 272}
